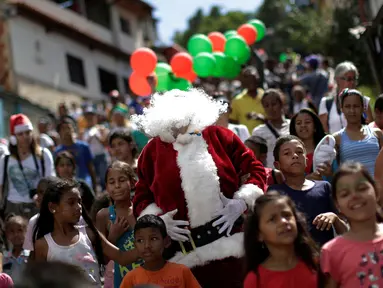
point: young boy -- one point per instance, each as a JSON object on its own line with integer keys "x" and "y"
{"x": 41, "y": 188}
{"x": 313, "y": 198}
{"x": 14, "y": 260}
{"x": 378, "y": 109}
{"x": 259, "y": 147}
{"x": 150, "y": 240}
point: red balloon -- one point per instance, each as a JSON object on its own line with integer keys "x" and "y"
{"x": 248, "y": 32}
{"x": 218, "y": 40}
{"x": 140, "y": 85}
{"x": 190, "y": 76}
{"x": 181, "y": 63}
{"x": 143, "y": 61}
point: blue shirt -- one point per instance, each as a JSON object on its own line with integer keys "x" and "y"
{"x": 124, "y": 243}
{"x": 83, "y": 157}
{"x": 311, "y": 203}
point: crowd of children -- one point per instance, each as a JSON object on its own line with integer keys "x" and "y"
{"x": 317, "y": 225}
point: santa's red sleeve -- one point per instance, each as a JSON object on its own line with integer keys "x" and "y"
{"x": 143, "y": 201}
{"x": 247, "y": 167}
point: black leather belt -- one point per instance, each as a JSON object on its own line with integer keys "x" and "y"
{"x": 200, "y": 236}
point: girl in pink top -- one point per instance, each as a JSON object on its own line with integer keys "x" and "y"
{"x": 279, "y": 251}
{"x": 355, "y": 259}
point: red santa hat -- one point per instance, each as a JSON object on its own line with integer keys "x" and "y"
{"x": 19, "y": 123}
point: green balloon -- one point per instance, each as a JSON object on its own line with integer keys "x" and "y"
{"x": 237, "y": 48}
{"x": 220, "y": 62}
{"x": 230, "y": 33}
{"x": 199, "y": 43}
{"x": 232, "y": 68}
{"x": 260, "y": 27}
{"x": 204, "y": 64}
{"x": 180, "y": 83}
{"x": 282, "y": 57}
{"x": 163, "y": 72}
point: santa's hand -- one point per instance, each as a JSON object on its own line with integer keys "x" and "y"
{"x": 176, "y": 233}
{"x": 232, "y": 210}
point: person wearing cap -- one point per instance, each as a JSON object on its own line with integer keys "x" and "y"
{"x": 97, "y": 138}
{"x": 240, "y": 130}
{"x": 24, "y": 167}
{"x": 121, "y": 123}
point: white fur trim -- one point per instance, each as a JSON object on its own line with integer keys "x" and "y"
{"x": 224, "y": 247}
{"x": 13, "y": 140}
{"x": 249, "y": 193}
{"x": 151, "y": 209}
{"x": 23, "y": 127}
{"x": 199, "y": 180}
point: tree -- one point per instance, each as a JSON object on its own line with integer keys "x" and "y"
{"x": 214, "y": 21}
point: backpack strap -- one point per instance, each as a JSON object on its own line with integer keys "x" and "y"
{"x": 329, "y": 101}
{"x": 42, "y": 162}
{"x": 3, "y": 200}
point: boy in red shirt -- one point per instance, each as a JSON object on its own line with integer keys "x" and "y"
{"x": 150, "y": 240}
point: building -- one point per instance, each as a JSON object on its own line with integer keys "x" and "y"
{"x": 54, "y": 51}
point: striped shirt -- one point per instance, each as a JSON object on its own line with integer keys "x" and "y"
{"x": 364, "y": 151}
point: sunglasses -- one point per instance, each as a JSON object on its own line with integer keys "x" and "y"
{"x": 349, "y": 79}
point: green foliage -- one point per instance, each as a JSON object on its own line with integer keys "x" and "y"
{"x": 304, "y": 30}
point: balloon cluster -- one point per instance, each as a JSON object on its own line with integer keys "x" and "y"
{"x": 215, "y": 55}
{"x": 221, "y": 55}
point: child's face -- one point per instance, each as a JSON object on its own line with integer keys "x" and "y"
{"x": 356, "y": 197}
{"x": 120, "y": 149}
{"x": 118, "y": 185}
{"x": 150, "y": 244}
{"x": 298, "y": 95}
{"x": 304, "y": 126}
{"x": 66, "y": 131}
{"x": 65, "y": 169}
{"x": 277, "y": 224}
{"x": 292, "y": 158}
{"x": 15, "y": 233}
{"x": 273, "y": 107}
{"x": 69, "y": 209}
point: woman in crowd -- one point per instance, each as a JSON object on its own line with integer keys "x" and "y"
{"x": 21, "y": 171}
{"x": 330, "y": 112}
{"x": 276, "y": 124}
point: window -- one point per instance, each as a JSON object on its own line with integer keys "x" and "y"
{"x": 98, "y": 11}
{"x": 76, "y": 70}
{"x": 125, "y": 26}
{"x": 108, "y": 81}
{"x": 69, "y": 4}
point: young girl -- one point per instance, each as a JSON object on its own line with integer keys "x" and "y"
{"x": 65, "y": 166}
{"x": 355, "y": 258}
{"x": 117, "y": 221}
{"x": 357, "y": 141}
{"x": 123, "y": 148}
{"x": 307, "y": 127}
{"x": 279, "y": 251}
{"x": 58, "y": 238}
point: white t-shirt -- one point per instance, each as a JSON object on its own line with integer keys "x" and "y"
{"x": 46, "y": 141}
{"x": 92, "y": 136}
{"x": 298, "y": 106}
{"x": 28, "y": 241}
{"x": 264, "y": 132}
{"x": 18, "y": 189}
{"x": 240, "y": 130}
{"x": 337, "y": 122}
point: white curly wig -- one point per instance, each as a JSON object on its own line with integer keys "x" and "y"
{"x": 176, "y": 109}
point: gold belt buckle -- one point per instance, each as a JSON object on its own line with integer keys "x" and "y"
{"x": 183, "y": 250}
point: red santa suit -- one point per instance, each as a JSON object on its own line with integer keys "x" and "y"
{"x": 188, "y": 174}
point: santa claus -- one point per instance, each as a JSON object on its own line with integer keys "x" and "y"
{"x": 201, "y": 179}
